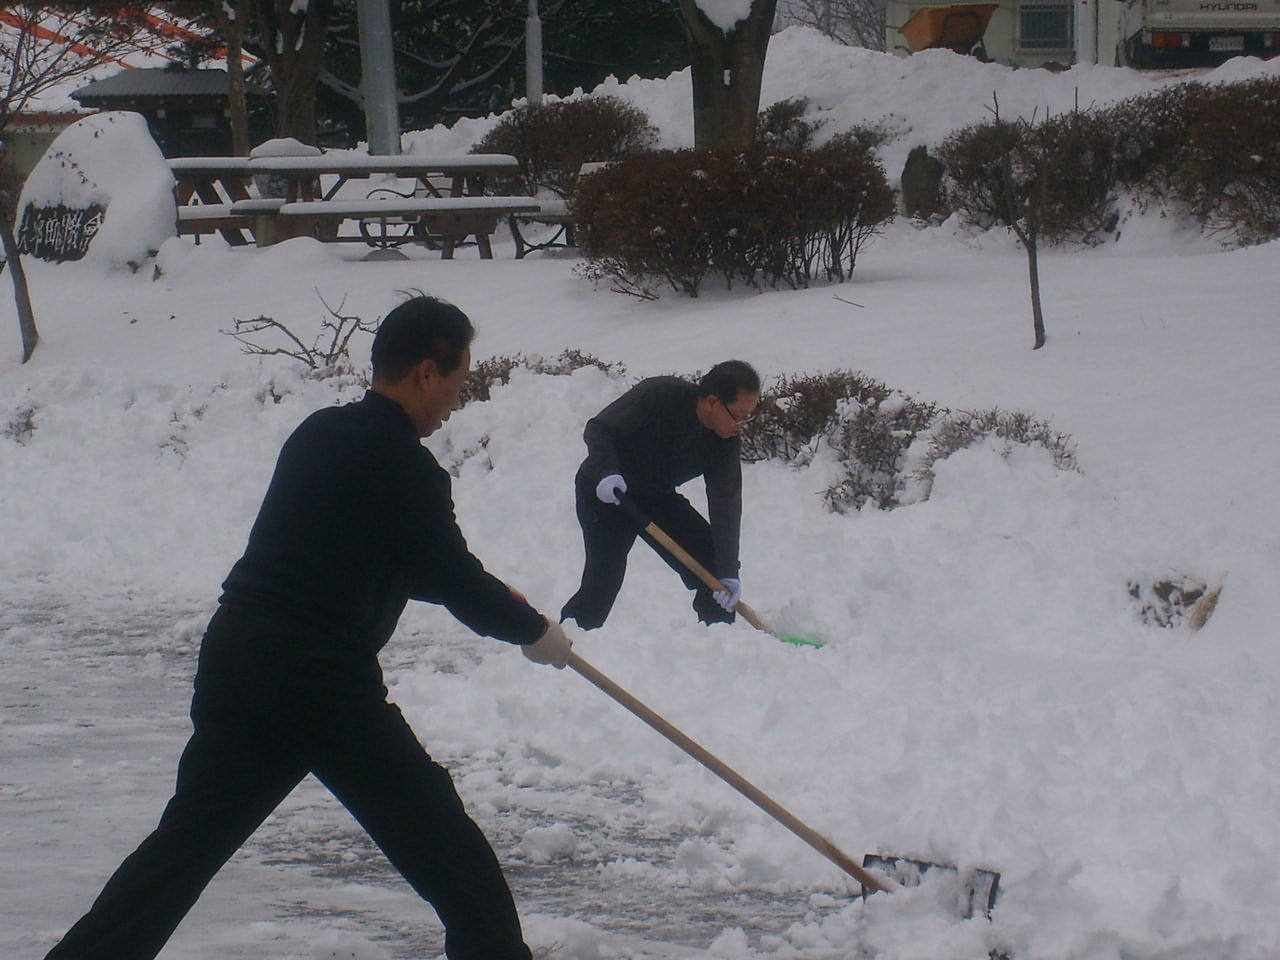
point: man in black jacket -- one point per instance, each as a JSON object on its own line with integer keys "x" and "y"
{"x": 358, "y": 519}
{"x": 659, "y": 434}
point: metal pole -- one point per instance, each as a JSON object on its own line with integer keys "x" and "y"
{"x": 533, "y": 56}
{"x": 377, "y": 62}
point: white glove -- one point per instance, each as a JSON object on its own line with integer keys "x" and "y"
{"x": 607, "y": 490}
{"x": 730, "y": 595}
{"x": 552, "y": 647}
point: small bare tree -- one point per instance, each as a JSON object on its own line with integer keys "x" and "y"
{"x": 1026, "y": 165}
{"x": 47, "y": 45}
{"x": 1002, "y": 172}
{"x": 1050, "y": 182}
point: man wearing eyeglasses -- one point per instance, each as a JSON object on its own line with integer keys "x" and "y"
{"x": 658, "y": 435}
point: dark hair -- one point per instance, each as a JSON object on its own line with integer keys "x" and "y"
{"x": 727, "y": 379}
{"x": 422, "y": 327}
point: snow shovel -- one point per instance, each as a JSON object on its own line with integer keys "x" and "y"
{"x": 973, "y": 893}
{"x": 869, "y": 881}
{"x": 706, "y": 576}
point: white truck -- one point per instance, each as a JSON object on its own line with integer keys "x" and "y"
{"x": 1196, "y": 33}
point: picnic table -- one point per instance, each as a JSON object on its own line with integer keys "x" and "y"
{"x": 444, "y": 198}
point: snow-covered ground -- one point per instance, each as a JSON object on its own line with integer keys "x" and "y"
{"x": 988, "y": 694}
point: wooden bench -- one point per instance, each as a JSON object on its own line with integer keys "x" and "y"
{"x": 395, "y": 229}
{"x": 229, "y": 219}
{"x": 553, "y": 211}
{"x": 450, "y": 218}
{"x": 213, "y": 194}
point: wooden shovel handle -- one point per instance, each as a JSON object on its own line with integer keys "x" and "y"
{"x": 683, "y": 555}
{"x": 728, "y": 775}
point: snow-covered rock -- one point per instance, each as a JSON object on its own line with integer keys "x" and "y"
{"x": 102, "y": 192}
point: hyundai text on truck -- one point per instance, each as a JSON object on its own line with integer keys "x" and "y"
{"x": 1196, "y": 33}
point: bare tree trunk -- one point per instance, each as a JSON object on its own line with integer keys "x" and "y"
{"x": 21, "y": 292}
{"x": 1037, "y": 202}
{"x": 233, "y": 27}
{"x": 727, "y": 69}
{"x": 1028, "y": 235}
{"x": 293, "y": 46}
{"x": 1033, "y": 270}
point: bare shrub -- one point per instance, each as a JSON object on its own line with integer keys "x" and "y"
{"x": 328, "y": 355}
{"x": 871, "y": 431}
{"x": 1208, "y": 151}
{"x": 795, "y": 411}
{"x": 1063, "y": 168}
{"x": 761, "y": 217}
{"x": 867, "y": 425}
{"x": 782, "y": 126}
{"x": 1212, "y": 151}
{"x": 495, "y": 371}
{"x": 552, "y": 141}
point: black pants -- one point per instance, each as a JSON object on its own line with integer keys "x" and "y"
{"x": 608, "y": 535}
{"x": 268, "y": 709}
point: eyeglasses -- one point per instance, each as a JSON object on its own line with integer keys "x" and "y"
{"x": 740, "y": 419}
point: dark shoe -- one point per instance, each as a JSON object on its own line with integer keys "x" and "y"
{"x": 709, "y": 612}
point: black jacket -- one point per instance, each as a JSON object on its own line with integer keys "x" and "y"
{"x": 651, "y": 435}
{"x": 358, "y": 520}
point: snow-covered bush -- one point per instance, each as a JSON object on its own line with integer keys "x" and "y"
{"x": 552, "y": 141}
{"x": 867, "y": 426}
{"x": 763, "y": 216}
{"x": 494, "y": 371}
{"x": 876, "y": 434}
{"x": 1210, "y": 150}
{"x": 1064, "y": 169}
{"x": 965, "y": 428}
{"x": 783, "y": 126}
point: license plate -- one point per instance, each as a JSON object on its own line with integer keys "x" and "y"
{"x": 1226, "y": 43}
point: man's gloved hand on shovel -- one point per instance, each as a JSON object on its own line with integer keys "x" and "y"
{"x": 730, "y": 595}
{"x": 608, "y": 489}
{"x": 552, "y": 647}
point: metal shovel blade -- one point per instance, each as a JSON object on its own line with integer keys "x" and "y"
{"x": 975, "y": 890}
